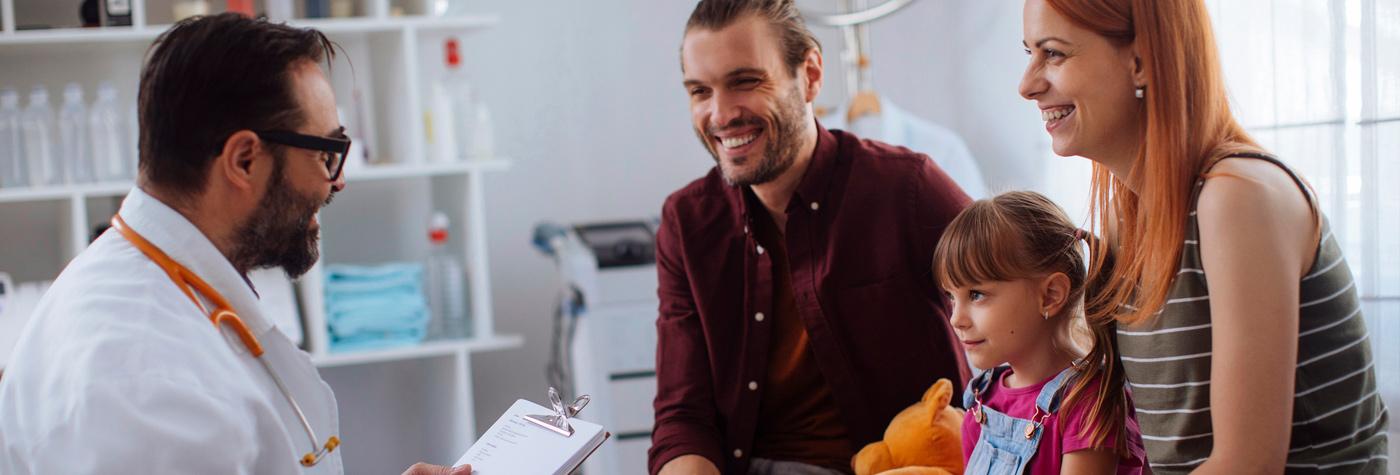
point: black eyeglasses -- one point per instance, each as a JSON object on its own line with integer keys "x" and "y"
{"x": 334, "y": 148}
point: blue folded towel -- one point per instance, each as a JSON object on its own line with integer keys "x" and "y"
{"x": 350, "y": 272}
{"x": 377, "y": 315}
{"x": 384, "y": 303}
{"x": 375, "y": 306}
{"x": 349, "y": 279}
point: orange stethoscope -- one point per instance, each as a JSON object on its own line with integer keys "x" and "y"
{"x": 223, "y": 315}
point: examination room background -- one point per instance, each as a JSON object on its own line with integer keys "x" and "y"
{"x": 586, "y": 98}
{"x": 595, "y": 113}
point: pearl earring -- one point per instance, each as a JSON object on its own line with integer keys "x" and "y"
{"x": 1140, "y": 92}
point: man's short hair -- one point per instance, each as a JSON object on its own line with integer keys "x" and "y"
{"x": 782, "y": 16}
{"x": 208, "y": 77}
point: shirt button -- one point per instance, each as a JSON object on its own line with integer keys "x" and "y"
{"x": 738, "y": 453}
{"x": 758, "y": 317}
{"x": 753, "y": 385}
{"x": 816, "y": 206}
{"x": 760, "y": 249}
{"x": 746, "y": 229}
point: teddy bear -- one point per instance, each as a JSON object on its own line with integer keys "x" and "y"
{"x": 925, "y": 439}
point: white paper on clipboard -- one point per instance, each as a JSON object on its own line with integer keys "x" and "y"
{"x": 513, "y": 445}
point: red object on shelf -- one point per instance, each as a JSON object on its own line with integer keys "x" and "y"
{"x": 437, "y": 235}
{"x": 244, "y": 7}
{"x": 454, "y": 55}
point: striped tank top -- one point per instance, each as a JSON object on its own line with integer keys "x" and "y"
{"x": 1339, "y": 420}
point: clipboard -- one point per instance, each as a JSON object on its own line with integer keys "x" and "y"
{"x": 558, "y": 422}
{"x": 530, "y": 438}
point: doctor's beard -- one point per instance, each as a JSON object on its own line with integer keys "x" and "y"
{"x": 279, "y": 234}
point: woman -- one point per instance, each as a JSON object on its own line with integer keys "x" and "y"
{"x": 1238, "y": 322}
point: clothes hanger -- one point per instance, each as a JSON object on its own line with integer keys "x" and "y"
{"x": 865, "y": 102}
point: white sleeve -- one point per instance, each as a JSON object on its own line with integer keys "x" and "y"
{"x": 152, "y": 424}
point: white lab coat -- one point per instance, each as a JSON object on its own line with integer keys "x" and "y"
{"x": 119, "y": 372}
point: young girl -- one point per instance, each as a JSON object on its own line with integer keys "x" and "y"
{"x": 1053, "y": 400}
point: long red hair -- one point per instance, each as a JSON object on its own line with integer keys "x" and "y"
{"x": 1187, "y": 126}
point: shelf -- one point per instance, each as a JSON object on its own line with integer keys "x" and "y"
{"x": 385, "y": 172}
{"x": 381, "y": 95}
{"x": 366, "y": 173}
{"x": 63, "y": 192}
{"x": 113, "y": 34}
{"x": 120, "y": 34}
{"x": 425, "y": 350}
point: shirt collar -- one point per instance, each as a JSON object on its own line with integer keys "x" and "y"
{"x": 814, "y": 181}
{"x": 168, "y": 230}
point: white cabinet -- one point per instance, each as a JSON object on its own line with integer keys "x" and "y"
{"x": 397, "y": 406}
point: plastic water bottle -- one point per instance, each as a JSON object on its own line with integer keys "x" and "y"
{"x": 446, "y": 285}
{"x": 37, "y": 123}
{"x": 13, "y": 172}
{"x": 450, "y": 108}
{"x": 459, "y": 96}
{"x": 111, "y": 155}
{"x": 73, "y": 138}
{"x": 450, "y": 7}
{"x": 483, "y": 134}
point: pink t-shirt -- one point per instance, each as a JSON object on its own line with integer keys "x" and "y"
{"x": 1056, "y": 441}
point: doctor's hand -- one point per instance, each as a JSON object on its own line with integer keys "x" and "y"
{"x": 421, "y": 468}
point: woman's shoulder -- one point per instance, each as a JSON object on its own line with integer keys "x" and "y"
{"x": 1240, "y": 184}
{"x": 1260, "y": 199}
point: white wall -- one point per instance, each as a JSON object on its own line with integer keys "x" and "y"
{"x": 587, "y": 98}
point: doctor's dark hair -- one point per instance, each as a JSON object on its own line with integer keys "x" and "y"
{"x": 1021, "y": 235}
{"x": 208, "y": 77}
{"x": 782, "y": 16}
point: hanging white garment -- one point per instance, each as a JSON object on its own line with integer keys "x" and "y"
{"x": 895, "y": 126}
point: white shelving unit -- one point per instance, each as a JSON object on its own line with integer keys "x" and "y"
{"x": 397, "y": 405}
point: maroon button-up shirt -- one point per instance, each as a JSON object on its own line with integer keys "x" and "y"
{"x": 860, "y": 235}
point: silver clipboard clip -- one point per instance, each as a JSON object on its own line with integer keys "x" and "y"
{"x": 559, "y": 421}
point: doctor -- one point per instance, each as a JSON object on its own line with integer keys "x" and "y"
{"x": 149, "y": 353}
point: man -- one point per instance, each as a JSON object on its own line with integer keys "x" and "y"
{"x": 120, "y": 370}
{"x": 798, "y": 310}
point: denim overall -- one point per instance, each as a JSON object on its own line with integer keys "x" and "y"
{"x": 1007, "y": 444}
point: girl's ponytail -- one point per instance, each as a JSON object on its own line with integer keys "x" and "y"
{"x": 1109, "y": 402}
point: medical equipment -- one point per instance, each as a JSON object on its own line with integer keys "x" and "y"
{"x": 117, "y": 12}
{"x": 223, "y": 315}
{"x": 605, "y": 332}
{"x": 7, "y": 287}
